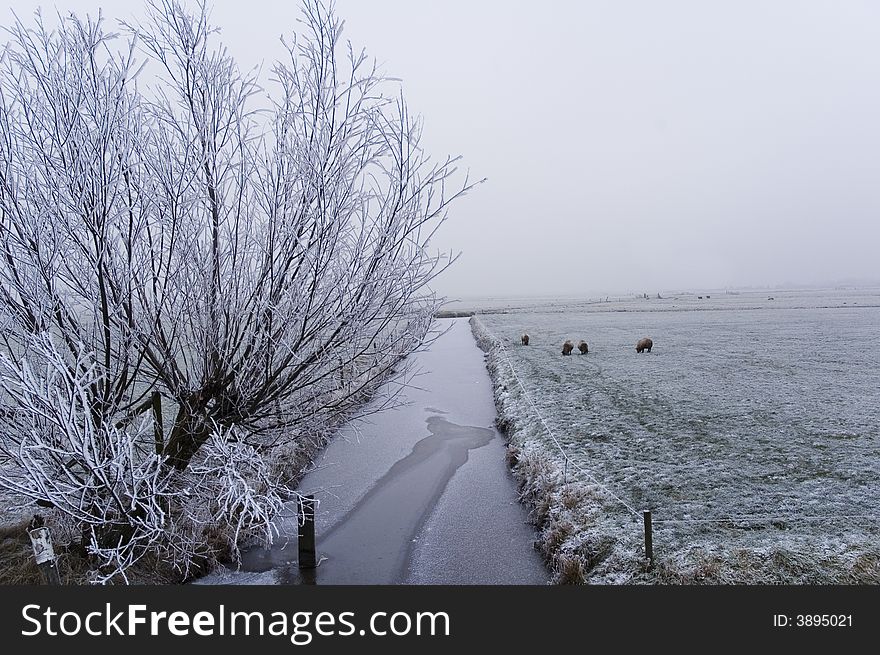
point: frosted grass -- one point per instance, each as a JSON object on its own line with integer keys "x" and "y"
{"x": 746, "y": 408}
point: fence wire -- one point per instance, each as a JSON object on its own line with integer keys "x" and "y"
{"x": 568, "y": 460}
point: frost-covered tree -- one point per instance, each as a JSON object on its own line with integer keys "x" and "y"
{"x": 197, "y": 275}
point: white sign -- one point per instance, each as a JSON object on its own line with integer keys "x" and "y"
{"x": 42, "y": 543}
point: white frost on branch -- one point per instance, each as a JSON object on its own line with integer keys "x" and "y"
{"x": 237, "y": 488}
{"x": 226, "y": 273}
{"x": 56, "y": 453}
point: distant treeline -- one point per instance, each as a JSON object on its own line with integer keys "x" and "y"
{"x": 451, "y": 314}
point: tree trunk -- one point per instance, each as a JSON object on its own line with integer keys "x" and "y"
{"x": 190, "y": 431}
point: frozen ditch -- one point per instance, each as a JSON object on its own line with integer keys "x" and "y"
{"x": 420, "y": 495}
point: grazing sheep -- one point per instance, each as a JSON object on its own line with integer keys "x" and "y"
{"x": 567, "y": 347}
{"x": 644, "y": 344}
{"x": 525, "y": 340}
{"x": 582, "y": 346}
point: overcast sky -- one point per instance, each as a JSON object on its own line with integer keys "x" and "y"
{"x": 628, "y": 146}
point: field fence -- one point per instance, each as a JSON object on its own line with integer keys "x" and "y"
{"x": 570, "y": 462}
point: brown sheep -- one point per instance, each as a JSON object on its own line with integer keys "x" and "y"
{"x": 567, "y": 347}
{"x": 525, "y": 340}
{"x": 582, "y": 346}
{"x": 644, "y": 344}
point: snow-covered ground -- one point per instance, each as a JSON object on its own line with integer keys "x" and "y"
{"x": 752, "y": 430}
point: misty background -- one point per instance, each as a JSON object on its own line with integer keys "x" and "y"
{"x": 635, "y": 146}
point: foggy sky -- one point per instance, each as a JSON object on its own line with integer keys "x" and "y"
{"x": 637, "y": 146}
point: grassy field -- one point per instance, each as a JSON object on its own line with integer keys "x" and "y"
{"x": 750, "y": 431}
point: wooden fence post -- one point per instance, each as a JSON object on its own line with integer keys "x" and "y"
{"x": 156, "y": 400}
{"x": 306, "y": 536}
